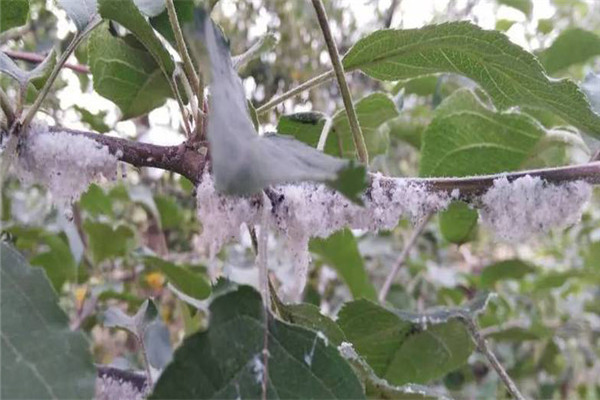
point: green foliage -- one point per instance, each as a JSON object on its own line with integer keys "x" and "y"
{"x": 509, "y": 74}
{"x": 340, "y": 251}
{"x": 309, "y": 316}
{"x": 573, "y": 46}
{"x": 35, "y": 336}
{"x": 457, "y": 223}
{"x": 126, "y": 75}
{"x": 185, "y": 14}
{"x": 13, "y": 13}
{"x": 57, "y": 261}
{"x": 186, "y": 281}
{"x": 503, "y": 270}
{"x": 226, "y": 361}
{"x": 525, "y": 6}
{"x": 401, "y": 349}
{"x": 304, "y": 126}
{"x": 106, "y": 242}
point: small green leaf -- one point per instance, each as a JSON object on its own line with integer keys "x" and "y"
{"x": 525, "y": 6}
{"x": 340, "y": 252}
{"x": 509, "y": 74}
{"x": 401, "y": 351}
{"x": 519, "y": 335}
{"x": 126, "y": 75}
{"x": 188, "y": 282}
{"x": 457, "y": 222}
{"x": 41, "y": 357}
{"x": 504, "y": 24}
{"x": 13, "y": 13}
{"x": 502, "y": 270}
{"x": 95, "y": 201}
{"x": 226, "y": 360}
{"x": 81, "y": 12}
{"x": 309, "y": 316}
{"x": 95, "y": 121}
{"x": 545, "y": 26}
{"x": 242, "y": 162}
{"x": 372, "y": 111}
{"x": 106, "y": 242}
{"x": 58, "y": 262}
{"x": 573, "y": 46}
{"x": 304, "y": 126}
{"x": 171, "y": 213}
{"x": 407, "y": 129}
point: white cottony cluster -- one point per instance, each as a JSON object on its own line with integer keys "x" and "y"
{"x": 529, "y": 205}
{"x": 66, "y": 164}
{"x": 109, "y": 388}
{"x": 308, "y": 210}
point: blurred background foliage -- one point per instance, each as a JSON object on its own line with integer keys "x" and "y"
{"x": 545, "y": 322}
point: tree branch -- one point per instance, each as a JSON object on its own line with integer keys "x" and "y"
{"x": 186, "y": 161}
{"x": 38, "y": 58}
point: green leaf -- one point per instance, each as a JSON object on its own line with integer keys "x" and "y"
{"x": 57, "y": 261}
{"x": 127, "y": 14}
{"x": 185, "y": 14}
{"x": 171, "y": 213}
{"x": 518, "y": 334}
{"x": 407, "y": 129}
{"x": 310, "y": 317}
{"x": 592, "y": 256}
{"x": 372, "y": 111}
{"x": 41, "y": 357}
{"x": 504, "y": 24}
{"x": 106, "y": 242}
{"x": 126, "y": 75}
{"x": 188, "y": 282}
{"x": 95, "y": 121}
{"x": 509, "y": 74}
{"x": 457, "y": 222}
{"x": 525, "y": 6}
{"x": 226, "y": 360}
{"x": 304, "y": 126}
{"x": 545, "y": 26}
{"x": 573, "y": 46}
{"x": 13, "y": 13}
{"x": 150, "y": 8}
{"x": 95, "y": 201}
{"x": 81, "y": 12}
{"x": 340, "y": 252}
{"x": 502, "y": 270}
{"x": 404, "y": 347}
{"x": 243, "y": 162}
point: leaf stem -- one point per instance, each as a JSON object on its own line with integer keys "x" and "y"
{"x": 79, "y": 37}
{"x": 357, "y": 136}
{"x": 38, "y": 58}
{"x": 412, "y": 240}
{"x": 309, "y": 84}
{"x": 483, "y": 347}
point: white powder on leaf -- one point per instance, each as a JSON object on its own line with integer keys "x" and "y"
{"x": 529, "y": 205}
{"x": 64, "y": 163}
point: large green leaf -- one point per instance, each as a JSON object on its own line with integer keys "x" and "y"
{"x": 372, "y": 111}
{"x": 186, "y": 281}
{"x": 509, "y": 74}
{"x": 573, "y": 46}
{"x": 41, "y": 357}
{"x": 403, "y": 347}
{"x": 304, "y": 126}
{"x": 226, "y": 360}
{"x": 242, "y": 161}
{"x": 13, "y": 13}
{"x": 466, "y": 138}
{"x": 126, "y": 13}
{"x": 340, "y": 251}
{"x": 126, "y": 75}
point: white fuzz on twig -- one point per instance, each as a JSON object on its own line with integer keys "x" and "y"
{"x": 529, "y": 205}
{"x": 65, "y": 164}
{"x": 109, "y": 388}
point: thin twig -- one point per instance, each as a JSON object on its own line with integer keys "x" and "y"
{"x": 146, "y": 361}
{"x": 357, "y": 136}
{"x": 390, "y": 14}
{"x": 7, "y": 107}
{"x": 402, "y": 258}
{"x": 309, "y": 84}
{"x": 483, "y": 347}
{"x": 264, "y": 286}
{"x": 38, "y": 58}
{"x": 324, "y": 134}
{"x": 79, "y": 37}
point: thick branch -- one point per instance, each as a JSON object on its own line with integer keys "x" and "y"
{"x": 190, "y": 163}
{"x": 180, "y": 159}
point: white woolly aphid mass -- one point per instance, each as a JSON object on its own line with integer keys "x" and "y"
{"x": 63, "y": 163}
{"x": 514, "y": 210}
{"x": 517, "y": 210}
